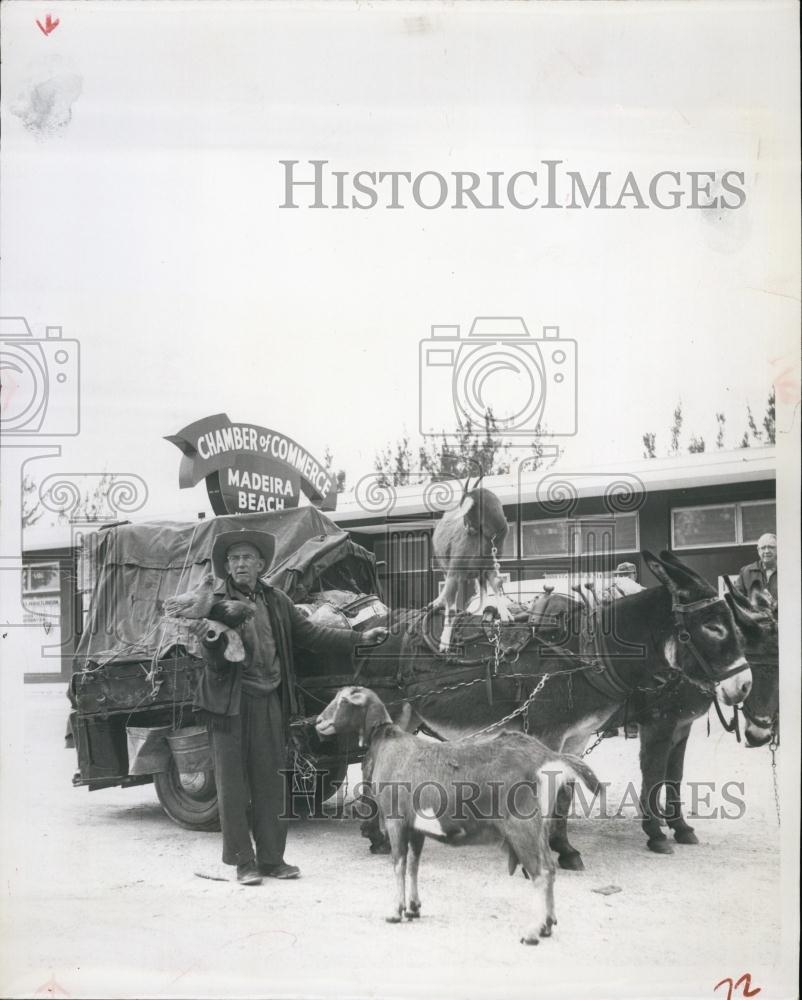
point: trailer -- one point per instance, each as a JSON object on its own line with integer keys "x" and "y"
{"x": 135, "y": 670}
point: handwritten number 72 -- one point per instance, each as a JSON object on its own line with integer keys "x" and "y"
{"x": 745, "y": 981}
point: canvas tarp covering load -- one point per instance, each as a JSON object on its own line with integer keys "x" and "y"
{"x": 138, "y": 566}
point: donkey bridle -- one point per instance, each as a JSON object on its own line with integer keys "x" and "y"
{"x": 679, "y": 612}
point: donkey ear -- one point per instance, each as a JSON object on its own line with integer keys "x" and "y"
{"x": 684, "y": 577}
{"x": 659, "y": 570}
{"x": 737, "y": 595}
{"x": 671, "y": 559}
{"x": 761, "y": 600}
{"x": 743, "y": 617}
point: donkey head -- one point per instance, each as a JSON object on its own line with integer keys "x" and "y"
{"x": 705, "y": 642}
{"x": 483, "y": 516}
{"x": 757, "y": 620}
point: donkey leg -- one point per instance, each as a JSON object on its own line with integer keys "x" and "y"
{"x": 683, "y": 832}
{"x": 526, "y": 838}
{"x": 568, "y": 856}
{"x": 416, "y": 839}
{"x": 655, "y": 744}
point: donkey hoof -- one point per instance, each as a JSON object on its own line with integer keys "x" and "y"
{"x": 394, "y": 918}
{"x": 685, "y": 836}
{"x": 529, "y": 939}
{"x": 412, "y": 912}
{"x": 545, "y": 930}
{"x": 571, "y": 861}
{"x": 383, "y": 847}
{"x": 660, "y": 845}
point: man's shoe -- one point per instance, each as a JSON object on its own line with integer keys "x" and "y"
{"x": 281, "y": 870}
{"x": 248, "y": 874}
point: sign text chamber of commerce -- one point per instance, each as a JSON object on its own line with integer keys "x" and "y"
{"x": 250, "y": 469}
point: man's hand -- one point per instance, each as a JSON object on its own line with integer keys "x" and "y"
{"x": 373, "y": 636}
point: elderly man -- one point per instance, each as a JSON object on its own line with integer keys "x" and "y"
{"x": 761, "y": 575}
{"x": 247, "y": 705}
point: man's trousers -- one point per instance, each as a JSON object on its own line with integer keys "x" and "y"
{"x": 248, "y": 759}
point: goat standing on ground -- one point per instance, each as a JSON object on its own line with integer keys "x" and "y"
{"x": 460, "y": 792}
{"x": 462, "y": 543}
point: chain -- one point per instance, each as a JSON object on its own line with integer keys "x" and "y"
{"x": 594, "y": 744}
{"x": 520, "y": 710}
{"x": 773, "y": 746}
{"x": 496, "y": 646}
{"x": 496, "y": 563}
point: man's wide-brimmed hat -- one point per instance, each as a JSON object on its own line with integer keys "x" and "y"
{"x": 262, "y": 541}
{"x": 625, "y": 567}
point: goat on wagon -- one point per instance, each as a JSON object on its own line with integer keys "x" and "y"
{"x": 461, "y": 792}
{"x": 465, "y": 544}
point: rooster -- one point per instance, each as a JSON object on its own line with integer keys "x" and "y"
{"x": 201, "y": 603}
{"x": 198, "y": 604}
{"x": 195, "y": 603}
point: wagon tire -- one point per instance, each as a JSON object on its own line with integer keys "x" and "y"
{"x": 190, "y": 800}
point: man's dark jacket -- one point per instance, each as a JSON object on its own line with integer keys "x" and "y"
{"x": 219, "y": 690}
{"x": 754, "y": 575}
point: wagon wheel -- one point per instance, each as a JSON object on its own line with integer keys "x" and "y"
{"x": 190, "y": 800}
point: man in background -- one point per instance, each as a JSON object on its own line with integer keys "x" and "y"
{"x": 761, "y": 575}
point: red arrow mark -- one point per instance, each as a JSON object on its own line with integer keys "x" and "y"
{"x": 48, "y": 26}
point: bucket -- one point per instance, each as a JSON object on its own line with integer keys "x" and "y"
{"x": 148, "y": 752}
{"x": 191, "y": 750}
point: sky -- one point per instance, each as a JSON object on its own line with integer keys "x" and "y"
{"x": 148, "y": 225}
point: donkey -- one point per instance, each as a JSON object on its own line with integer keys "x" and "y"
{"x": 666, "y": 715}
{"x": 463, "y": 544}
{"x": 681, "y": 627}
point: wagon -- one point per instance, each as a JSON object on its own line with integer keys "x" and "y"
{"x": 135, "y": 671}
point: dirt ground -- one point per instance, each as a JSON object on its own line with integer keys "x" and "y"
{"x": 103, "y": 900}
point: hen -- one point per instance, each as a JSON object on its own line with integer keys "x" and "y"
{"x": 195, "y": 603}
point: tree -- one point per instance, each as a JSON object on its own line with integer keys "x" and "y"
{"x": 720, "y": 420}
{"x": 32, "y": 509}
{"x": 472, "y": 449}
{"x": 769, "y": 418}
{"x": 754, "y": 434}
{"x": 339, "y": 475}
{"x": 676, "y": 429}
{"x": 92, "y": 504}
{"x": 766, "y": 435}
